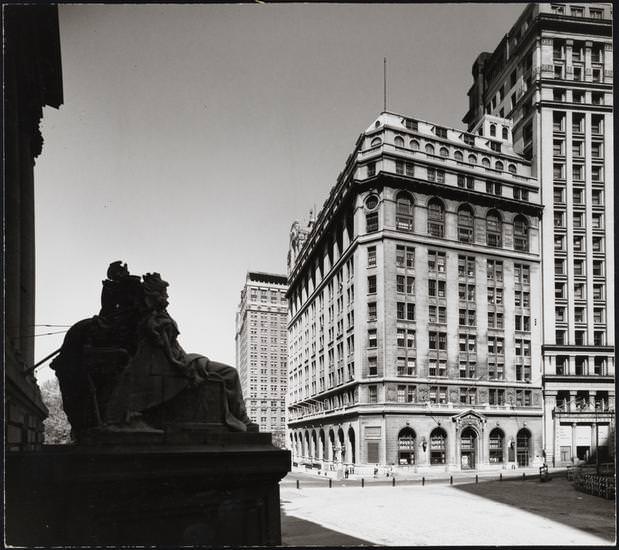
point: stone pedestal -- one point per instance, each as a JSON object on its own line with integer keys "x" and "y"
{"x": 222, "y": 492}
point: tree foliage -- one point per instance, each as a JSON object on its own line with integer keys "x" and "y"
{"x": 57, "y": 429}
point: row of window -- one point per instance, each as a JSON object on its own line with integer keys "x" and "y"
{"x": 578, "y": 199}
{"x": 578, "y": 96}
{"x": 577, "y": 11}
{"x": 578, "y": 148}
{"x": 468, "y": 395}
{"x": 578, "y": 123}
{"x": 405, "y": 221}
{"x": 561, "y": 72}
{"x": 437, "y": 340}
{"x": 580, "y": 315}
{"x": 581, "y": 338}
{"x": 579, "y": 247}
{"x": 578, "y": 172}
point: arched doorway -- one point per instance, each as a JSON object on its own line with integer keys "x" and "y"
{"x": 321, "y": 438}
{"x": 406, "y": 446}
{"x": 438, "y": 446}
{"x": 314, "y": 446}
{"x": 523, "y": 441}
{"x": 331, "y": 446}
{"x": 342, "y": 445}
{"x": 468, "y": 448}
{"x": 351, "y": 441}
{"x": 497, "y": 444}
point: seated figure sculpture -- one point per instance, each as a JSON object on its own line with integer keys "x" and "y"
{"x": 124, "y": 370}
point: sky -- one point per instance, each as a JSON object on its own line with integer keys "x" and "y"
{"x": 192, "y": 136}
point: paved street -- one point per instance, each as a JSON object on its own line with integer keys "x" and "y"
{"x": 510, "y": 512}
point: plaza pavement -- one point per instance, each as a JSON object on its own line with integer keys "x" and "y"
{"x": 488, "y": 513}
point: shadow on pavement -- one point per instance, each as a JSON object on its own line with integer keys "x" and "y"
{"x": 556, "y": 500}
{"x": 300, "y": 532}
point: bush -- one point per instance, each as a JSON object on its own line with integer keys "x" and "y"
{"x": 57, "y": 430}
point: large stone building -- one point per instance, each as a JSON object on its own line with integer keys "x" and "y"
{"x": 415, "y": 312}
{"x": 261, "y": 351}
{"x": 552, "y": 76}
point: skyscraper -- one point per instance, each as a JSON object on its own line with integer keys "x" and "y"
{"x": 552, "y": 76}
{"x": 261, "y": 351}
{"x": 415, "y": 309}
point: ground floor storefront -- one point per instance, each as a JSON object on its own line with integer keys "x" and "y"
{"x": 423, "y": 442}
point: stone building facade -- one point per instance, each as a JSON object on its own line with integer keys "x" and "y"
{"x": 552, "y": 75}
{"x": 261, "y": 351}
{"x": 414, "y": 322}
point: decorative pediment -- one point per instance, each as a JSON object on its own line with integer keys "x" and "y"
{"x": 469, "y": 418}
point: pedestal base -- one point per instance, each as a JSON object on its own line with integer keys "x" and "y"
{"x": 225, "y": 492}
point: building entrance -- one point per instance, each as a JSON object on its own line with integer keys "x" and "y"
{"x": 468, "y": 445}
{"x": 522, "y": 447}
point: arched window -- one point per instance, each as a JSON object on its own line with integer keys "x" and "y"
{"x": 523, "y": 439}
{"x": 376, "y": 141}
{"x": 414, "y": 145}
{"x": 511, "y": 168}
{"x": 485, "y": 162}
{"x": 499, "y": 165}
{"x": 430, "y": 149}
{"x": 406, "y": 446}
{"x": 438, "y": 446}
{"x": 521, "y": 234}
{"x": 493, "y": 229}
{"x": 466, "y": 224}
{"x": 399, "y": 141}
{"x": 436, "y": 218}
{"x": 472, "y": 159}
{"x": 404, "y": 208}
{"x": 493, "y": 130}
{"x": 351, "y": 442}
{"x": 505, "y": 133}
{"x": 497, "y": 440}
{"x": 458, "y": 156}
{"x": 444, "y": 152}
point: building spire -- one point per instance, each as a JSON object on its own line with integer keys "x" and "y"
{"x": 384, "y": 84}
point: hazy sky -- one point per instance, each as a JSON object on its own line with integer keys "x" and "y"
{"x": 191, "y": 137}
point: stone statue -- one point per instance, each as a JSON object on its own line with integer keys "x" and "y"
{"x": 124, "y": 370}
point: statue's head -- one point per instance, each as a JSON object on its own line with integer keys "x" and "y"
{"x": 155, "y": 291}
{"x": 117, "y": 270}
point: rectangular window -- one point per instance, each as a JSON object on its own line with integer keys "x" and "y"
{"x": 371, "y": 256}
{"x": 371, "y": 311}
{"x": 399, "y": 167}
{"x": 440, "y": 132}
{"x": 371, "y": 222}
{"x": 372, "y": 366}
{"x": 373, "y": 394}
{"x": 372, "y": 284}
{"x": 436, "y": 261}
{"x": 371, "y": 169}
{"x": 372, "y": 339}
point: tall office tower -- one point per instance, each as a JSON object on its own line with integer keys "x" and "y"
{"x": 552, "y": 75}
{"x": 261, "y": 351}
{"x": 415, "y": 306}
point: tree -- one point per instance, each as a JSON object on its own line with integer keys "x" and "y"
{"x": 57, "y": 429}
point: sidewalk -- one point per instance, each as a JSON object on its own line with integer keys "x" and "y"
{"x": 491, "y": 513}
